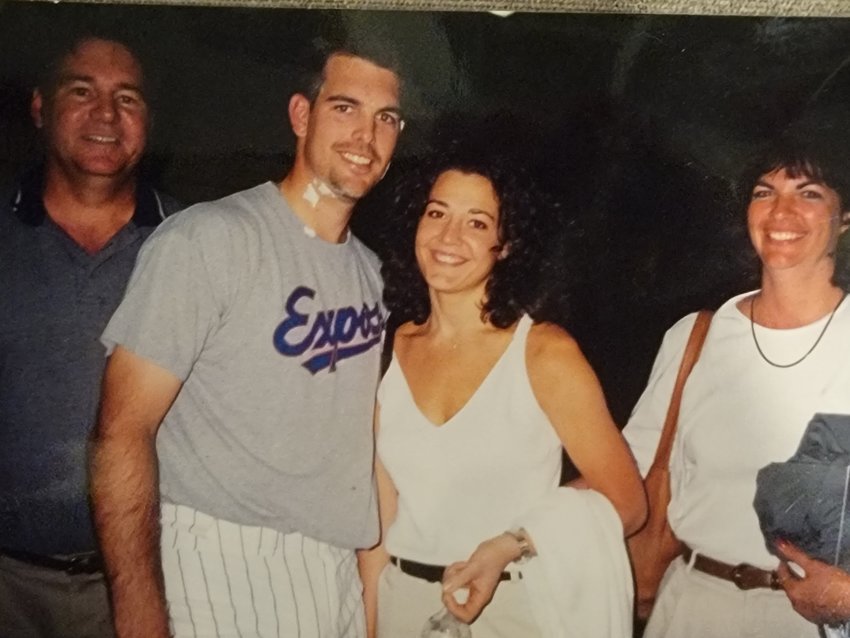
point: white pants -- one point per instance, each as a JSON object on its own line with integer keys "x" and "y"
{"x": 692, "y": 604}
{"x": 405, "y": 603}
{"x": 224, "y": 579}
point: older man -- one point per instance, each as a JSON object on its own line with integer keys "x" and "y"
{"x": 232, "y": 466}
{"x": 68, "y": 240}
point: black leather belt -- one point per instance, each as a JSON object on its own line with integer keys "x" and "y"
{"x": 743, "y": 575}
{"x": 434, "y": 573}
{"x": 82, "y": 563}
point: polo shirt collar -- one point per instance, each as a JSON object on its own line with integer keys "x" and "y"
{"x": 28, "y": 203}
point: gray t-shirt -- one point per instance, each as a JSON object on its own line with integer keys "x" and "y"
{"x": 276, "y": 335}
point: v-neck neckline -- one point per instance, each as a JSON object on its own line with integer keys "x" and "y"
{"x": 463, "y": 408}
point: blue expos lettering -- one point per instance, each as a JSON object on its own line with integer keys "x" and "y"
{"x": 331, "y": 335}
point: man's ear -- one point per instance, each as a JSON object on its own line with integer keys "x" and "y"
{"x": 845, "y": 221}
{"x": 36, "y": 108}
{"x": 299, "y": 114}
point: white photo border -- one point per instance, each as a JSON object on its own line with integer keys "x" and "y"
{"x": 778, "y": 8}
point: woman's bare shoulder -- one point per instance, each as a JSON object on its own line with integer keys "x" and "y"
{"x": 409, "y": 329}
{"x": 552, "y": 352}
{"x": 547, "y": 339}
{"x": 406, "y": 335}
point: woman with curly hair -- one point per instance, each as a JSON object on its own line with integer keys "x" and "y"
{"x": 476, "y": 407}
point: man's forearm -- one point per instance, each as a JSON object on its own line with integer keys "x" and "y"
{"x": 125, "y": 499}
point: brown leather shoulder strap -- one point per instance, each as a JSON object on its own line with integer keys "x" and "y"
{"x": 689, "y": 358}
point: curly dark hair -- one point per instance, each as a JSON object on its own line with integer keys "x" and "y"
{"x": 821, "y": 158}
{"x": 526, "y": 221}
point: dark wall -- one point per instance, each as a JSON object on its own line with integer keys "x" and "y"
{"x": 638, "y": 125}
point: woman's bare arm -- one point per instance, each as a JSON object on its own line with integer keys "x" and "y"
{"x": 569, "y": 393}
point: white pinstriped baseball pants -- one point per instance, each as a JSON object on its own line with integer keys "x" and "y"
{"x": 224, "y": 579}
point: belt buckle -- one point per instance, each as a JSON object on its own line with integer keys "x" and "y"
{"x": 81, "y": 564}
{"x": 738, "y": 575}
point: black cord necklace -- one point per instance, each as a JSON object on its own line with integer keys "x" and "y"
{"x": 810, "y": 350}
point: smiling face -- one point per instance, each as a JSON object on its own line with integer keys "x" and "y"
{"x": 794, "y": 221}
{"x": 457, "y": 240}
{"x": 95, "y": 118}
{"x": 347, "y": 136}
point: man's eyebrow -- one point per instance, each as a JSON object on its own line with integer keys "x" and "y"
{"x": 122, "y": 86}
{"x": 342, "y": 98}
{"x": 126, "y": 86}
{"x": 347, "y": 99}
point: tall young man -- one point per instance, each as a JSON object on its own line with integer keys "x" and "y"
{"x": 231, "y": 472}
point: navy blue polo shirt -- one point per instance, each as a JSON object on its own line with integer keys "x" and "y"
{"x": 55, "y": 300}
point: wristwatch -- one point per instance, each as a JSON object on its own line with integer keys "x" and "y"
{"x": 525, "y": 550}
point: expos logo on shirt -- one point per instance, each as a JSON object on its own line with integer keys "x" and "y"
{"x": 328, "y": 336}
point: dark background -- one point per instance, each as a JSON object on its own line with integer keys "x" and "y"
{"x": 637, "y": 125}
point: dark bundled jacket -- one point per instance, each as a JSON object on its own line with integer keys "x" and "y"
{"x": 806, "y": 499}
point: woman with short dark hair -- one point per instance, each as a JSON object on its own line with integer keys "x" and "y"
{"x": 772, "y": 358}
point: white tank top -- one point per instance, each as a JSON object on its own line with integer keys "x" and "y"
{"x": 473, "y": 477}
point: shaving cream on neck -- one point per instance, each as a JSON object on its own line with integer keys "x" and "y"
{"x": 315, "y": 190}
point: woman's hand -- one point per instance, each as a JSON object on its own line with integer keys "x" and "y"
{"x": 822, "y": 595}
{"x": 479, "y": 574}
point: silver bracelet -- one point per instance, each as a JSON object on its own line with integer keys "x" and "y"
{"x": 526, "y": 552}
